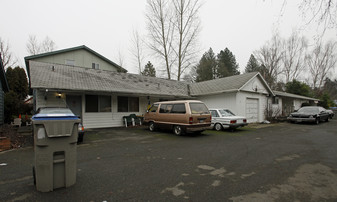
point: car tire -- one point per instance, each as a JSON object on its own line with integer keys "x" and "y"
{"x": 327, "y": 119}
{"x": 177, "y": 130}
{"x": 218, "y": 127}
{"x": 317, "y": 121}
{"x": 151, "y": 126}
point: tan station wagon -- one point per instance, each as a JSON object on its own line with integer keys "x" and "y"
{"x": 179, "y": 116}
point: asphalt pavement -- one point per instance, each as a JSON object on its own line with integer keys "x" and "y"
{"x": 282, "y": 162}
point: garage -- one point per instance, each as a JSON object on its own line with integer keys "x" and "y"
{"x": 252, "y": 110}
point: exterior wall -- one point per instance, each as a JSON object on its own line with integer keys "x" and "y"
{"x": 50, "y": 101}
{"x": 255, "y": 85}
{"x": 82, "y": 58}
{"x": 241, "y": 98}
{"x": 224, "y": 100}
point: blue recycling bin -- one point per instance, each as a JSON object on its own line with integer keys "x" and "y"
{"x": 55, "y": 148}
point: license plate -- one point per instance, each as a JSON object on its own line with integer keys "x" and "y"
{"x": 201, "y": 121}
{"x": 240, "y": 121}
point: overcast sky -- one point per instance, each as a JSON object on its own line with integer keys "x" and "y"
{"x": 106, "y": 25}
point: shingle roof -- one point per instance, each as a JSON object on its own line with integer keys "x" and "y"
{"x": 227, "y": 84}
{"x": 65, "y": 77}
{"x": 284, "y": 94}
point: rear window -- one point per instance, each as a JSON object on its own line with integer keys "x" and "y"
{"x": 198, "y": 108}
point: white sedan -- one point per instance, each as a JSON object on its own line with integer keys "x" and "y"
{"x": 224, "y": 118}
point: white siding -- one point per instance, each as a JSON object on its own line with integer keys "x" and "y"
{"x": 224, "y": 100}
{"x": 110, "y": 119}
{"x": 255, "y": 85}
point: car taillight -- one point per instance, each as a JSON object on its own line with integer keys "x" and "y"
{"x": 210, "y": 117}
{"x": 190, "y": 121}
{"x": 233, "y": 121}
{"x": 244, "y": 120}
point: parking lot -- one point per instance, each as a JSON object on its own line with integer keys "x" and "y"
{"x": 281, "y": 162}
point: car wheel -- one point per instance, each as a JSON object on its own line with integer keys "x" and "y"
{"x": 177, "y": 130}
{"x": 317, "y": 121}
{"x": 218, "y": 127}
{"x": 151, "y": 126}
{"x": 327, "y": 119}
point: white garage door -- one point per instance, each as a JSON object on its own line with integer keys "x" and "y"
{"x": 252, "y": 110}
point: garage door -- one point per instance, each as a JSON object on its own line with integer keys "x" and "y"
{"x": 252, "y": 110}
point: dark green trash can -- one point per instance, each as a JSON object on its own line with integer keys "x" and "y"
{"x": 55, "y": 148}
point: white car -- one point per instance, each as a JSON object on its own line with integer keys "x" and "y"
{"x": 331, "y": 113}
{"x": 224, "y": 118}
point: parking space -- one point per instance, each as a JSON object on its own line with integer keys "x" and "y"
{"x": 282, "y": 162}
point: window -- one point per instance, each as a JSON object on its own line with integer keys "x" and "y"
{"x": 128, "y": 104}
{"x": 70, "y": 62}
{"x": 97, "y": 103}
{"x": 165, "y": 108}
{"x": 153, "y": 108}
{"x": 105, "y": 103}
{"x": 214, "y": 113}
{"x": 179, "y": 109}
{"x": 95, "y": 65}
{"x": 198, "y": 108}
{"x": 275, "y": 100}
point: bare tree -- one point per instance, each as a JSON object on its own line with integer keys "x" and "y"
{"x": 6, "y": 55}
{"x": 187, "y": 25}
{"x": 120, "y": 57}
{"x": 270, "y": 57}
{"x": 34, "y": 47}
{"x": 322, "y": 11}
{"x": 321, "y": 61}
{"x": 137, "y": 49}
{"x": 160, "y": 27}
{"x": 293, "y": 56}
{"x": 47, "y": 45}
{"x": 173, "y": 29}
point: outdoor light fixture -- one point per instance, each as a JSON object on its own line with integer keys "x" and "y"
{"x": 59, "y": 95}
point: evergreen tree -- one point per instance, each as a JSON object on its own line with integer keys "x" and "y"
{"x": 252, "y": 65}
{"x": 206, "y": 68}
{"x": 298, "y": 88}
{"x": 227, "y": 65}
{"x": 18, "y": 85}
{"x": 149, "y": 70}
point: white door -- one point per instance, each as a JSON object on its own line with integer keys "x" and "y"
{"x": 252, "y": 110}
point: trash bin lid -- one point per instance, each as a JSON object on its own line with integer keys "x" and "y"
{"x": 55, "y": 114}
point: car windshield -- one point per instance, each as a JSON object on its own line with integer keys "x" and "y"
{"x": 198, "y": 108}
{"x": 226, "y": 112}
{"x": 308, "y": 110}
{"x": 56, "y": 111}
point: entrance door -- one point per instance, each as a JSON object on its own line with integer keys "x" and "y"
{"x": 74, "y": 102}
{"x": 252, "y": 110}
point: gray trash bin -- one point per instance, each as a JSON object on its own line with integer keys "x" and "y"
{"x": 55, "y": 146}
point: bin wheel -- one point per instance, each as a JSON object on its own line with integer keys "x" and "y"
{"x": 34, "y": 176}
